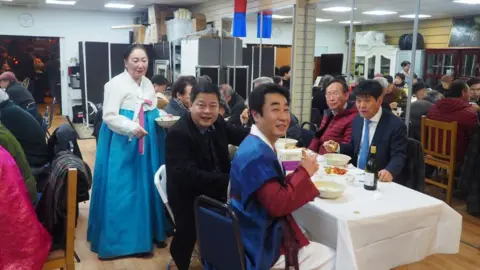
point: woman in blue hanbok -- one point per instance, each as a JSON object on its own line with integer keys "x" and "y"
{"x": 126, "y": 212}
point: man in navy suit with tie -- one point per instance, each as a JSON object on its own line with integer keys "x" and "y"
{"x": 375, "y": 126}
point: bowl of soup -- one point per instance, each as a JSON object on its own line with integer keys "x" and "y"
{"x": 286, "y": 143}
{"x": 339, "y": 160}
{"x": 329, "y": 190}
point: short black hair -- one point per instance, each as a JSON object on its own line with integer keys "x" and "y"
{"x": 389, "y": 79}
{"x": 277, "y": 79}
{"x": 283, "y": 70}
{"x": 206, "y": 88}
{"x": 180, "y": 84}
{"x": 473, "y": 81}
{"x": 159, "y": 80}
{"x": 417, "y": 87}
{"x": 340, "y": 81}
{"x": 257, "y": 96}
{"x": 131, "y": 48}
{"x": 369, "y": 88}
{"x": 405, "y": 63}
{"x": 456, "y": 89}
{"x": 401, "y": 75}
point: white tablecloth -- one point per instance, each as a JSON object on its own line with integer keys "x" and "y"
{"x": 381, "y": 229}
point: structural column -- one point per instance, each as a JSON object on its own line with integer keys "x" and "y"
{"x": 303, "y": 56}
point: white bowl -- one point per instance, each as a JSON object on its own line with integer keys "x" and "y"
{"x": 337, "y": 159}
{"x": 167, "y": 121}
{"x": 287, "y": 143}
{"x": 329, "y": 190}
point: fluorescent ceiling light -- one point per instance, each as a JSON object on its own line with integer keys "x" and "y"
{"x": 348, "y": 22}
{"x": 379, "y": 12}
{"x": 412, "y": 16}
{"x": 119, "y": 5}
{"x": 323, "y": 20}
{"x": 58, "y": 2}
{"x": 338, "y": 9}
{"x": 281, "y": 17}
{"x": 6, "y": 0}
{"x": 468, "y": 2}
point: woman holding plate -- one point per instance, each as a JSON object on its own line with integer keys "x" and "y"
{"x": 126, "y": 212}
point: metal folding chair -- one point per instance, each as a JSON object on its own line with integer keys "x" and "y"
{"x": 161, "y": 185}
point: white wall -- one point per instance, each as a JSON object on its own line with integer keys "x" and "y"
{"x": 74, "y": 26}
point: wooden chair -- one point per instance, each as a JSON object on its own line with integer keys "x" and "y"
{"x": 438, "y": 155}
{"x": 64, "y": 259}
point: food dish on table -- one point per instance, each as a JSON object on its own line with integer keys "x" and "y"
{"x": 337, "y": 159}
{"x": 286, "y": 143}
{"x": 329, "y": 190}
{"x": 335, "y": 170}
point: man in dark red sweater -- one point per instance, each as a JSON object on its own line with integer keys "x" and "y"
{"x": 456, "y": 108}
{"x": 337, "y": 120}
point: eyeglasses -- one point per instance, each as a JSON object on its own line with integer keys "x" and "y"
{"x": 336, "y": 94}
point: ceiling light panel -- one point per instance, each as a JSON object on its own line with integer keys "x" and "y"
{"x": 338, "y": 9}
{"x": 348, "y": 22}
{"x": 379, "y": 12}
{"x": 468, "y": 2}
{"x": 58, "y": 2}
{"x": 323, "y": 20}
{"x": 412, "y": 16}
{"x": 119, "y": 5}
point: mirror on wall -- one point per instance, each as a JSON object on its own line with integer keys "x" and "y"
{"x": 451, "y": 35}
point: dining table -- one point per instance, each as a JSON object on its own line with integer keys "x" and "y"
{"x": 382, "y": 229}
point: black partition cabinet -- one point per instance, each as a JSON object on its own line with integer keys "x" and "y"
{"x": 94, "y": 73}
{"x": 242, "y": 81}
{"x": 251, "y": 58}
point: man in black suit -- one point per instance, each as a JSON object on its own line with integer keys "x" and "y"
{"x": 197, "y": 163}
{"x": 382, "y": 128}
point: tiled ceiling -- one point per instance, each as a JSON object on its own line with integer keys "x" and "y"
{"x": 98, "y": 5}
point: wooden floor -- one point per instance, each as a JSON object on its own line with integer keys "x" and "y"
{"x": 467, "y": 259}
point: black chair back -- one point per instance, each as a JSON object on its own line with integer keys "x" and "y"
{"x": 218, "y": 235}
{"x": 413, "y": 174}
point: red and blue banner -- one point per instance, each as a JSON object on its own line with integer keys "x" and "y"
{"x": 264, "y": 24}
{"x": 240, "y": 19}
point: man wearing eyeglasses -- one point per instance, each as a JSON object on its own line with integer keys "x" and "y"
{"x": 337, "y": 120}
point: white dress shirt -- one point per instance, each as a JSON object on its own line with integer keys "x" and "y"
{"x": 373, "y": 127}
{"x": 255, "y": 131}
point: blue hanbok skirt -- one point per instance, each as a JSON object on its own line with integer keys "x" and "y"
{"x": 126, "y": 212}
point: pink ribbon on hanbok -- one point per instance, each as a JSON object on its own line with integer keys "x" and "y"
{"x": 141, "y": 119}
